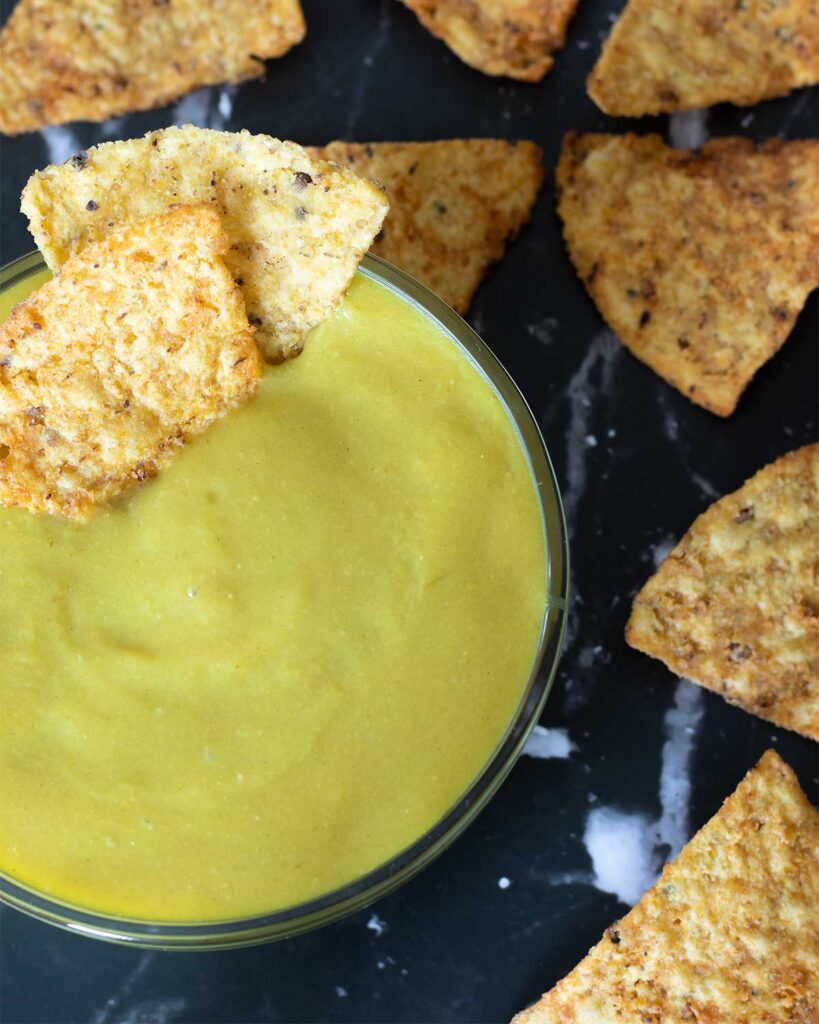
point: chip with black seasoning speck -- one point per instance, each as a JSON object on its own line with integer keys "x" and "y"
{"x": 662, "y": 57}
{"x": 699, "y": 260}
{"x": 139, "y": 344}
{"x": 454, "y": 204}
{"x": 735, "y": 605}
{"x": 88, "y": 60}
{"x": 298, "y": 227}
{"x": 513, "y": 38}
{"x": 728, "y": 934}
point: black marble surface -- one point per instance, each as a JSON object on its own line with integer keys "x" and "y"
{"x": 639, "y": 760}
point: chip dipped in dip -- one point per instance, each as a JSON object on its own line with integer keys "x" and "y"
{"x": 266, "y": 672}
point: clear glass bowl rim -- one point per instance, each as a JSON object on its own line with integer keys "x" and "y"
{"x": 384, "y": 879}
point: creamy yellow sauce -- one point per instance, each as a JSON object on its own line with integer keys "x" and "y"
{"x": 269, "y": 670}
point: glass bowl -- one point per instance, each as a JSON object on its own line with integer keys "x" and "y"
{"x": 372, "y": 886}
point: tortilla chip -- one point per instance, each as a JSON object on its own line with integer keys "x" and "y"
{"x": 297, "y": 227}
{"x": 662, "y": 57}
{"x": 728, "y": 933}
{"x": 88, "y": 60}
{"x": 140, "y": 344}
{"x": 699, "y": 260}
{"x": 514, "y": 38}
{"x": 735, "y": 606}
{"x": 453, "y": 205}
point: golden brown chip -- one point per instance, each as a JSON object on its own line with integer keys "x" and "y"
{"x": 664, "y": 56}
{"x": 92, "y": 59}
{"x": 699, "y": 260}
{"x": 453, "y": 204}
{"x": 140, "y": 344}
{"x": 297, "y": 227}
{"x": 729, "y": 934}
{"x": 735, "y": 606}
{"x": 514, "y": 38}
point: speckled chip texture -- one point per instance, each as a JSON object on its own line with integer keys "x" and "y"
{"x": 668, "y": 55}
{"x": 86, "y": 60}
{"x": 728, "y": 935}
{"x": 140, "y": 344}
{"x": 735, "y": 605}
{"x": 453, "y": 204}
{"x": 513, "y": 38}
{"x": 701, "y": 260}
{"x": 297, "y": 227}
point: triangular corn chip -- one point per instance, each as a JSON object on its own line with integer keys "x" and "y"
{"x": 453, "y": 204}
{"x": 662, "y": 56}
{"x": 735, "y": 606}
{"x": 140, "y": 343}
{"x": 728, "y": 934}
{"x": 297, "y": 227}
{"x": 701, "y": 260}
{"x": 514, "y": 38}
{"x": 87, "y": 60}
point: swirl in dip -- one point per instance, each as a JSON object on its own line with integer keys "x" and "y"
{"x": 269, "y": 670}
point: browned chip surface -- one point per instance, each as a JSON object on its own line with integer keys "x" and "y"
{"x": 728, "y": 935}
{"x": 735, "y": 606}
{"x": 514, "y": 38}
{"x": 453, "y": 204}
{"x": 87, "y": 60}
{"x": 297, "y": 227}
{"x": 699, "y": 260}
{"x": 666, "y": 55}
{"x": 140, "y": 344}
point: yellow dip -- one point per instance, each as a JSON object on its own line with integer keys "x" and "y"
{"x": 279, "y": 663}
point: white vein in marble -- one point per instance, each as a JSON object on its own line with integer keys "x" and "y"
{"x": 225, "y": 103}
{"x": 620, "y": 847}
{"x": 545, "y": 330}
{"x": 672, "y": 432}
{"x": 376, "y": 925}
{"x": 661, "y": 550}
{"x": 154, "y": 1011}
{"x": 61, "y": 143}
{"x": 681, "y": 723}
{"x": 367, "y": 64}
{"x": 549, "y": 743}
{"x": 205, "y": 108}
{"x": 627, "y": 848}
{"x": 689, "y": 129}
{"x": 113, "y": 128}
{"x": 795, "y": 112}
{"x": 111, "y": 1011}
{"x": 590, "y": 383}
{"x": 705, "y": 486}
